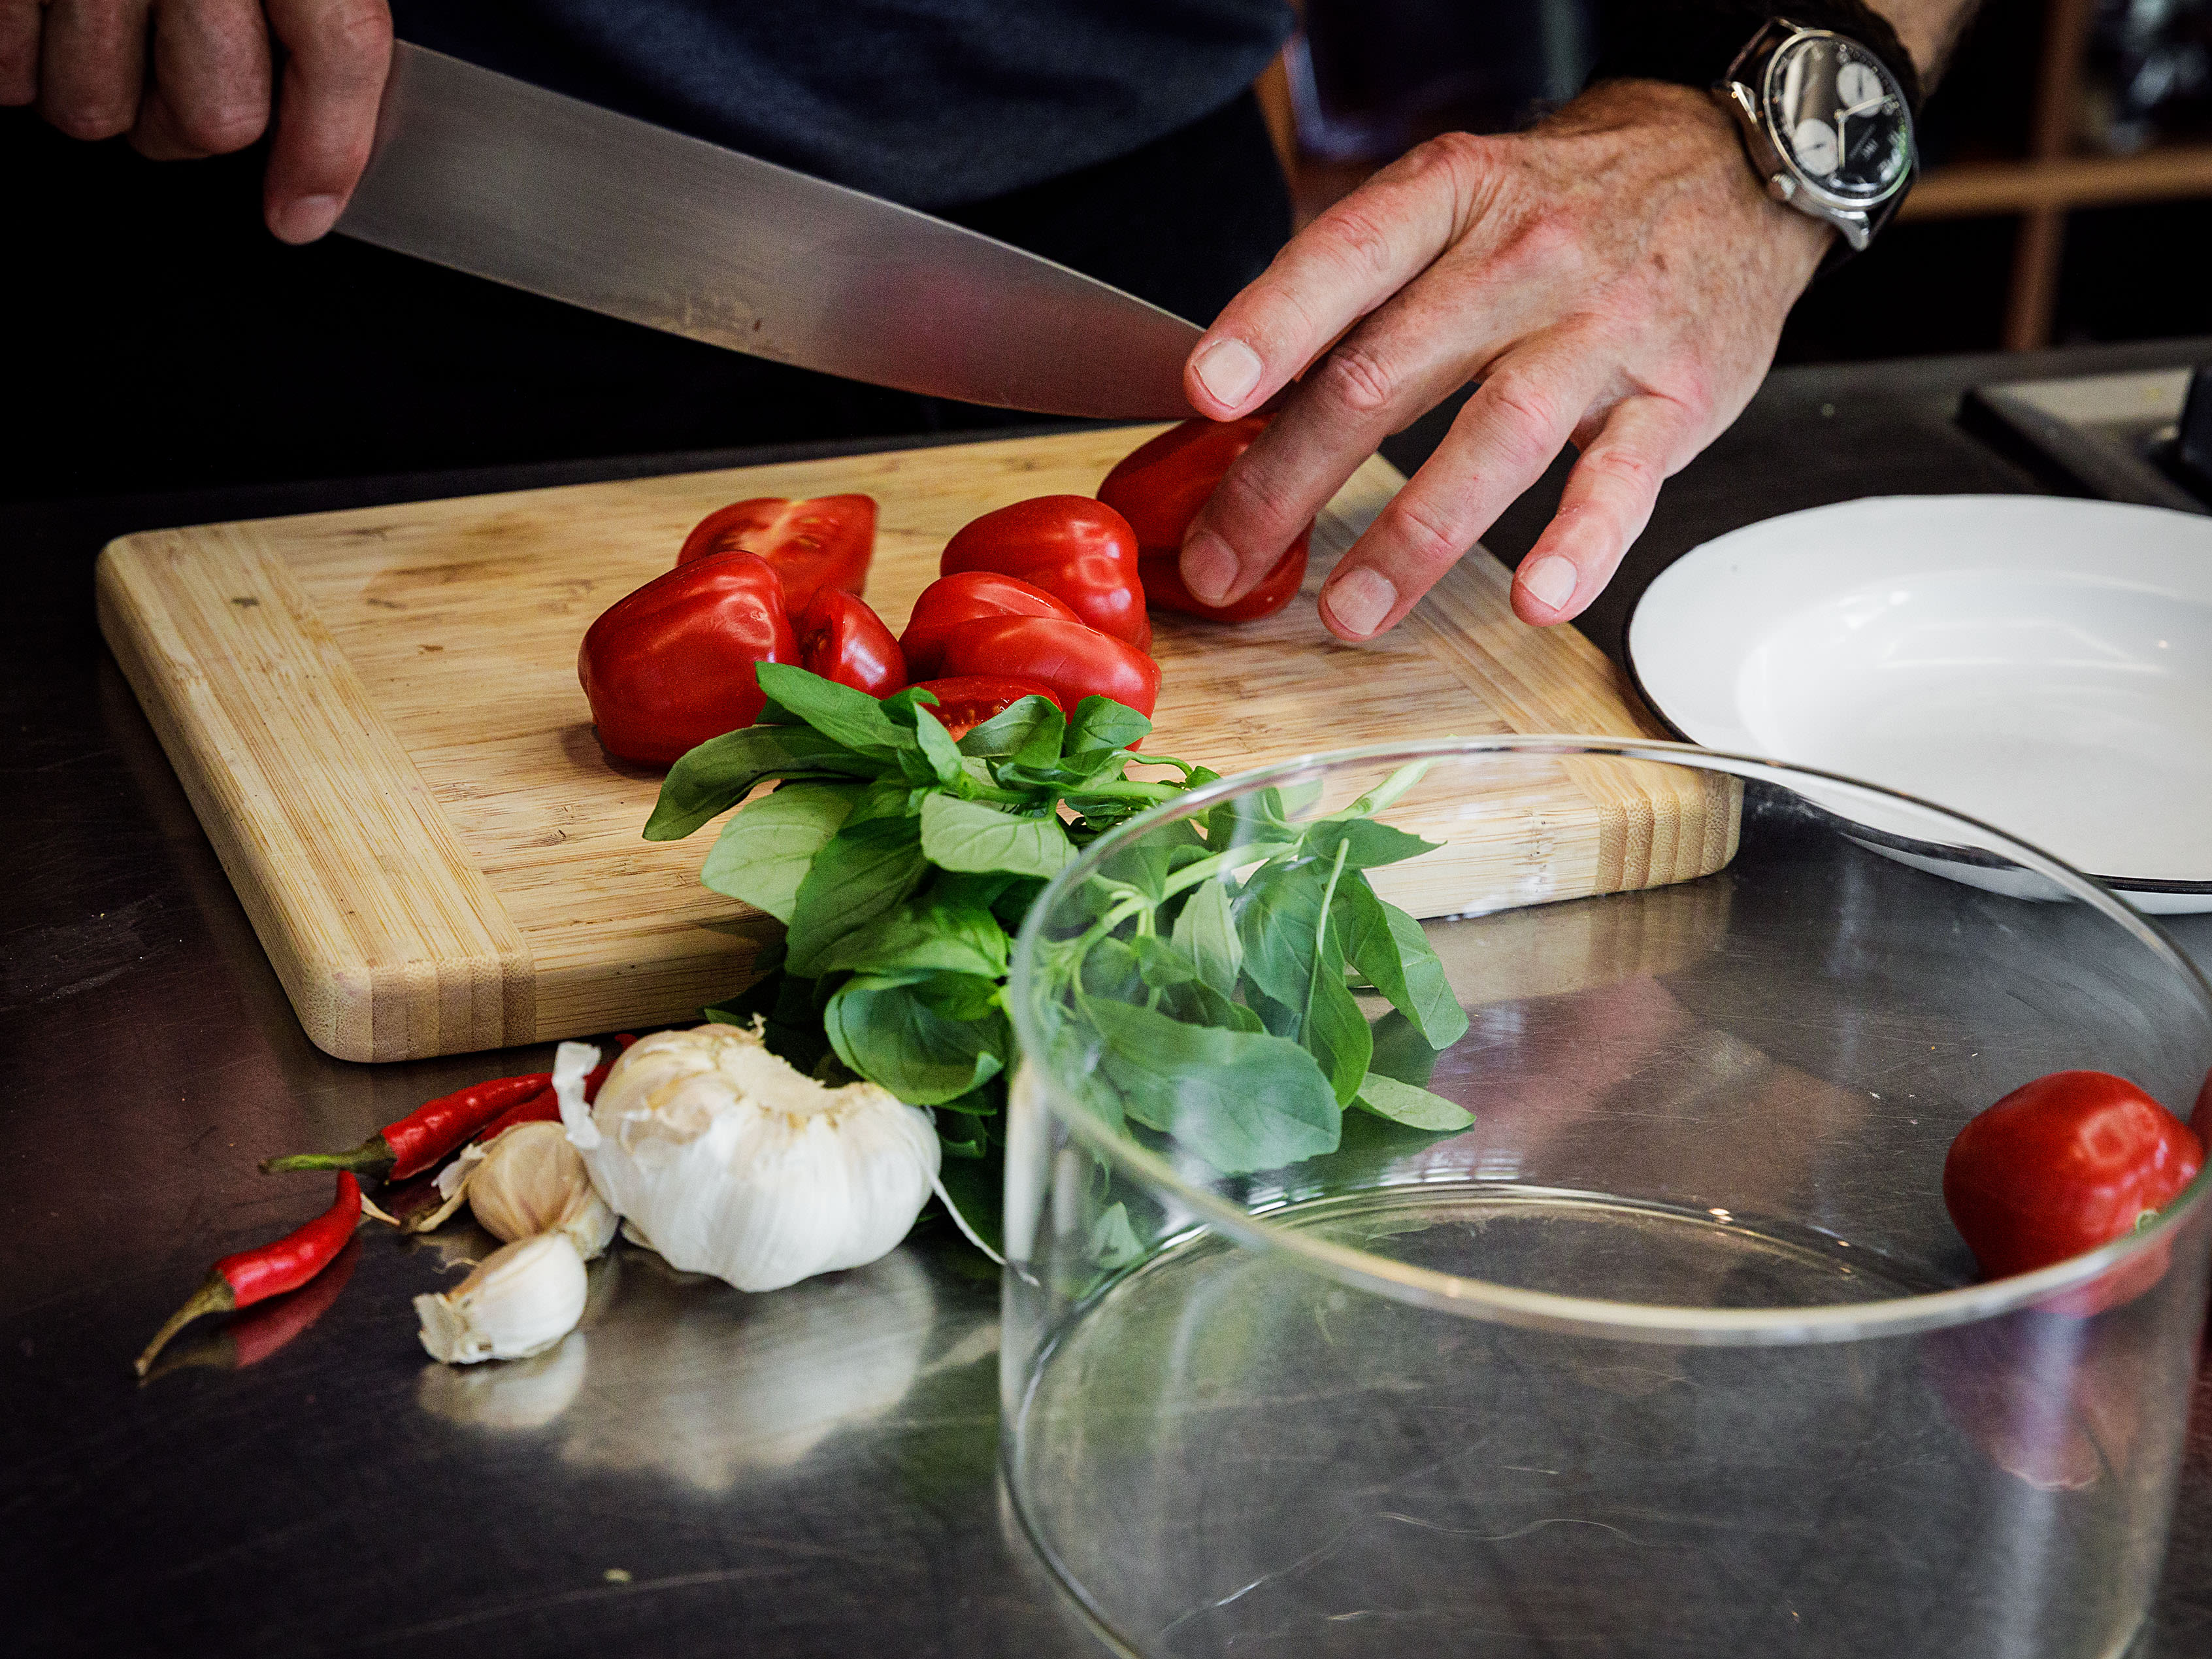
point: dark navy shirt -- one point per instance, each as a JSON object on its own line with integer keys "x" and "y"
{"x": 931, "y": 102}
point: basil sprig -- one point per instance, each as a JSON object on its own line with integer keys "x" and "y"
{"x": 1209, "y": 999}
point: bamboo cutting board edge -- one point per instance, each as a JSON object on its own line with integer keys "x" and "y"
{"x": 518, "y": 827}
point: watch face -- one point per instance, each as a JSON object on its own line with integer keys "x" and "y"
{"x": 1839, "y": 117}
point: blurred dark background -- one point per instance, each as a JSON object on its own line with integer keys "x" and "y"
{"x": 157, "y": 337}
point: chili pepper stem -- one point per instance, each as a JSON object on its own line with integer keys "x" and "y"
{"x": 372, "y": 1157}
{"x": 215, "y": 1295}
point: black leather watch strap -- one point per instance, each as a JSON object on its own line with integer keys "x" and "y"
{"x": 1692, "y": 42}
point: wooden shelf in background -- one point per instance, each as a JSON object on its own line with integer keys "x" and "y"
{"x": 1966, "y": 190}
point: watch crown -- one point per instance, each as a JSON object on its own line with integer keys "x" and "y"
{"x": 1782, "y": 187}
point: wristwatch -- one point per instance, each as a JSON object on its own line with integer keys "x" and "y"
{"x": 1827, "y": 123}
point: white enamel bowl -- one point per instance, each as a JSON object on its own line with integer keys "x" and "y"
{"x": 2042, "y": 664}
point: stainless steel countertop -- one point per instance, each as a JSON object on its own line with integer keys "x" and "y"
{"x": 805, "y": 1472}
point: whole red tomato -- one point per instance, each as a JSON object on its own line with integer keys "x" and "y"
{"x": 1160, "y": 485}
{"x": 1079, "y": 551}
{"x": 962, "y": 597}
{"x": 672, "y": 665}
{"x": 966, "y": 703}
{"x": 841, "y": 638}
{"x": 825, "y": 542}
{"x": 2061, "y": 1166}
{"x": 1074, "y": 662}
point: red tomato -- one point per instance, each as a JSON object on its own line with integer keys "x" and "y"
{"x": 951, "y": 600}
{"x": 842, "y": 639}
{"x": 1163, "y": 588}
{"x": 1074, "y": 662}
{"x": 1160, "y": 485}
{"x": 672, "y": 664}
{"x": 825, "y": 542}
{"x": 966, "y": 703}
{"x": 2061, "y": 1166}
{"x": 1079, "y": 551}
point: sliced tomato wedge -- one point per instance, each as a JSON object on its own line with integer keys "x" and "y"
{"x": 824, "y": 542}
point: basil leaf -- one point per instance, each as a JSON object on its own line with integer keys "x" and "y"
{"x": 1242, "y": 1100}
{"x": 1113, "y": 1241}
{"x": 1401, "y": 1051}
{"x": 1277, "y": 918}
{"x": 887, "y": 1032}
{"x": 865, "y": 871}
{"x": 1366, "y": 844}
{"x": 937, "y": 746}
{"x": 1029, "y": 729}
{"x": 1206, "y": 932}
{"x": 1390, "y": 949}
{"x": 976, "y": 1192}
{"x": 927, "y": 934}
{"x": 1417, "y": 1108}
{"x": 709, "y": 780}
{"x": 1111, "y": 969}
{"x": 1336, "y": 1032}
{"x": 887, "y": 797}
{"x": 853, "y": 717}
{"x": 1100, "y": 723}
{"x": 764, "y": 851}
{"x": 1197, "y": 1002}
{"x": 960, "y": 995}
{"x": 1160, "y": 964}
{"x": 968, "y": 835}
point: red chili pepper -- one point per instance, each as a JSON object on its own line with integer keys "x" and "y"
{"x": 424, "y": 1135}
{"x": 841, "y": 638}
{"x": 825, "y": 543}
{"x": 1073, "y": 661}
{"x": 673, "y": 664}
{"x": 1079, "y": 551}
{"x": 252, "y": 1276}
{"x": 544, "y": 1106}
{"x": 1160, "y": 485}
{"x": 962, "y": 597}
{"x": 966, "y": 703}
{"x": 253, "y": 1336}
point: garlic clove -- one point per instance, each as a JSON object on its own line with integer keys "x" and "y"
{"x": 532, "y": 1180}
{"x": 519, "y": 1302}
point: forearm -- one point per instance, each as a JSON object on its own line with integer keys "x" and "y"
{"x": 1929, "y": 29}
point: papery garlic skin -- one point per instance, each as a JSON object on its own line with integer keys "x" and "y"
{"x": 734, "y": 1164}
{"x": 531, "y": 1181}
{"x": 520, "y": 1300}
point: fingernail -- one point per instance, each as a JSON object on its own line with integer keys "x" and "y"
{"x": 1208, "y": 569}
{"x": 1550, "y": 581}
{"x": 1228, "y": 369}
{"x": 1360, "y": 600}
{"x": 304, "y": 218}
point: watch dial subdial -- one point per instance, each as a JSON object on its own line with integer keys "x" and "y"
{"x": 1857, "y": 84}
{"x": 1814, "y": 144}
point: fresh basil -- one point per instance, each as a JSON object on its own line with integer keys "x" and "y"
{"x": 763, "y": 854}
{"x": 1204, "y": 994}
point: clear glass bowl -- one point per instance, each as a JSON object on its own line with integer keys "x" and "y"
{"x": 1673, "y": 1350}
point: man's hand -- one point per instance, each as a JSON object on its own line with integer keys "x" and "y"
{"x": 192, "y": 77}
{"x": 1615, "y": 278}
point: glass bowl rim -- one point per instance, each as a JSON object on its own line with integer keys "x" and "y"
{"x": 1591, "y": 1316}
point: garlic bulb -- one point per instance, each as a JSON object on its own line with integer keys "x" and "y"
{"x": 520, "y": 1300}
{"x": 531, "y": 1181}
{"x": 730, "y": 1162}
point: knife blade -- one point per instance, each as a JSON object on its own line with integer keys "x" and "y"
{"x": 491, "y": 175}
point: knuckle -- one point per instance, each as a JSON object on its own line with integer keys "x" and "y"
{"x": 1523, "y": 422}
{"x": 352, "y": 37}
{"x": 1631, "y": 468}
{"x": 1356, "y": 240}
{"x": 1357, "y": 381}
{"x": 1434, "y": 538}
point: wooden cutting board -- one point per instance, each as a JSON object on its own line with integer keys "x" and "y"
{"x": 376, "y": 715}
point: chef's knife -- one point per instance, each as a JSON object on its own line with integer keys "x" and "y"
{"x": 503, "y": 179}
